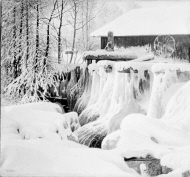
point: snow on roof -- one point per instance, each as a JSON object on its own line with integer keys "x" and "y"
{"x": 173, "y": 20}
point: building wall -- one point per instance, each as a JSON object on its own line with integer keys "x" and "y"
{"x": 182, "y": 43}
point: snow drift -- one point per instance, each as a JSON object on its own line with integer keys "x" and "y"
{"x": 35, "y": 143}
{"x": 166, "y": 139}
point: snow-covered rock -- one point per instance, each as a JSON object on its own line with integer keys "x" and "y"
{"x": 34, "y": 143}
{"x": 37, "y": 120}
{"x": 166, "y": 139}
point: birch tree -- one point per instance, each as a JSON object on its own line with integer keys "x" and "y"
{"x": 80, "y": 17}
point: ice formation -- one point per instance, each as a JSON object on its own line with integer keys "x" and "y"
{"x": 95, "y": 91}
{"x": 83, "y": 100}
{"x": 71, "y": 83}
{"x": 136, "y": 86}
{"x": 166, "y": 139}
{"x": 165, "y": 75}
{"x": 92, "y": 89}
{"x": 99, "y": 109}
{"x": 113, "y": 92}
{"x": 38, "y": 120}
{"x": 101, "y": 106}
{"x": 80, "y": 86}
{"x": 128, "y": 89}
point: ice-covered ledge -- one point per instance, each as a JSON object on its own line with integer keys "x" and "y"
{"x": 109, "y": 55}
{"x": 135, "y": 66}
{"x": 163, "y": 67}
{"x": 165, "y": 75}
{"x": 106, "y": 63}
{"x": 108, "y": 66}
{"x": 141, "y": 71}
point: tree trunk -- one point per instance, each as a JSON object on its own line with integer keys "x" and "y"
{"x": 20, "y": 40}
{"x": 37, "y": 37}
{"x": 59, "y": 46}
{"x": 59, "y": 34}
{"x": 87, "y": 30}
{"x": 0, "y": 21}
{"x": 47, "y": 42}
{"x": 83, "y": 31}
{"x": 14, "y": 44}
{"x": 48, "y": 35}
{"x": 74, "y": 31}
{"x": 27, "y": 33}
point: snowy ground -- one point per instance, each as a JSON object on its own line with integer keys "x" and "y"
{"x": 38, "y": 139}
{"x": 35, "y": 142}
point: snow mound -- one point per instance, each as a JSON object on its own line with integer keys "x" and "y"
{"x": 166, "y": 139}
{"x": 31, "y": 146}
{"x": 44, "y": 158}
{"x": 31, "y": 121}
{"x": 178, "y": 109}
{"x": 41, "y": 106}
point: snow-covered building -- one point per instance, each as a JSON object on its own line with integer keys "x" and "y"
{"x": 141, "y": 26}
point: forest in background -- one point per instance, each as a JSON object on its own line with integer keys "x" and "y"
{"x": 35, "y": 36}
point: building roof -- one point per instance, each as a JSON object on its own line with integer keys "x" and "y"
{"x": 173, "y": 20}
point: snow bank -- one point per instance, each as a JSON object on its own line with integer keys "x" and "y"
{"x": 44, "y": 158}
{"x": 178, "y": 109}
{"x": 34, "y": 143}
{"x": 166, "y": 139}
{"x": 41, "y": 106}
{"x": 38, "y": 120}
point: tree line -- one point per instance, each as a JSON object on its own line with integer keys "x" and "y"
{"x": 32, "y": 30}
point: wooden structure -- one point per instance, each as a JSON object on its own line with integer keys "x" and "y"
{"x": 108, "y": 55}
{"x": 182, "y": 43}
{"x": 141, "y": 26}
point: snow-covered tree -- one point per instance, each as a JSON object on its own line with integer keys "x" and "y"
{"x": 28, "y": 68}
